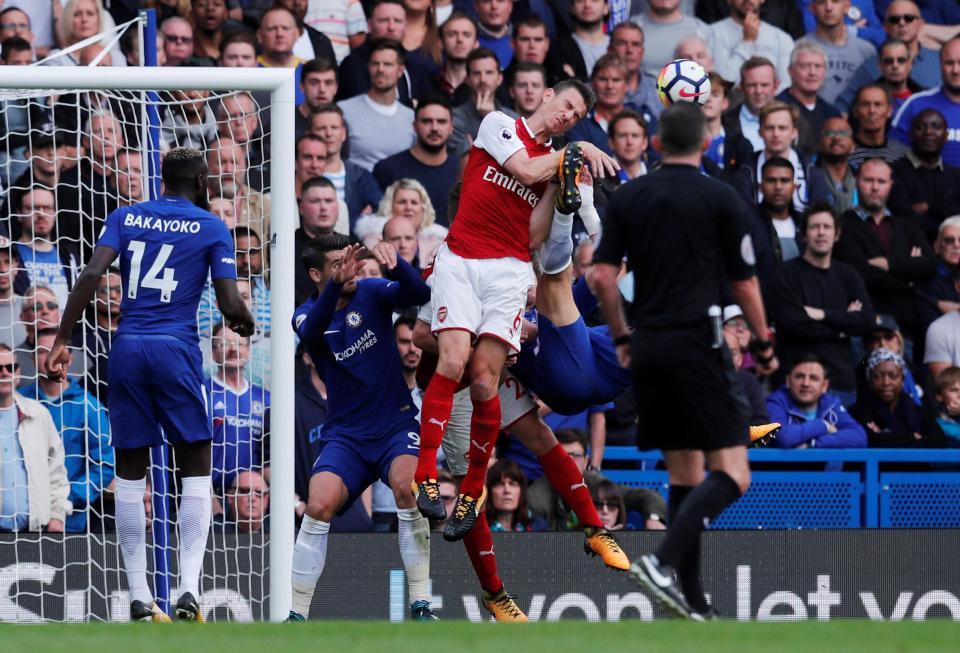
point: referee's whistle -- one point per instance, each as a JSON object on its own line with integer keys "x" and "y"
{"x": 716, "y": 326}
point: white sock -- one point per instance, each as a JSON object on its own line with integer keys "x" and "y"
{"x": 131, "y": 520}
{"x": 414, "y": 536}
{"x": 588, "y": 212}
{"x": 309, "y": 556}
{"x": 557, "y": 249}
{"x": 194, "y": 523}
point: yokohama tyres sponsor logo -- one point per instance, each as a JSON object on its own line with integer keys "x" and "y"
{"x": 511, "y": 184}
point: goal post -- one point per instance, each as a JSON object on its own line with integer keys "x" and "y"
{"x": 32, "y": 81}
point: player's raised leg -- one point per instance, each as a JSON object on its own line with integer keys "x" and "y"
{"x": 328, "y": 494}
{"x": 489, "y": 357}
{"x": 413, "y": 534}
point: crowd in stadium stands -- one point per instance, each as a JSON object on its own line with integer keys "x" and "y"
{"x": 838, "y": 121}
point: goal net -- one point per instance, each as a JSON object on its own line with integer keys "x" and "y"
{"x": 78, "y": 143}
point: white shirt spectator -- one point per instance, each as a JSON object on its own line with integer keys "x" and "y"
{"x": 376, "y": 130}
{"x": 943, "y": 340}
{"x": 661, "y": 39}
{"x": 729, "y": 50}
{"x": 339, "y": 20}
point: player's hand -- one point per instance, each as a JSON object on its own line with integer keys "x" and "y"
{"x": 58, "y": 362}
{"x": 54, "y": 526}
{"x": 346, "y": 270}
{"x": 386, "y": 254}
{"x": 623, "y": 355}
{"x": 751, "y": 26}
{"x": 601, "y": 163}
{"x": 244, "y": 327}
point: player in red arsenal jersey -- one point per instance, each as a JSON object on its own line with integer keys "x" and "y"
{"x": 483, "y": 271}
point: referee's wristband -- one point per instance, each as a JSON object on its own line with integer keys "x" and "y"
{"x": 622, "y": 340}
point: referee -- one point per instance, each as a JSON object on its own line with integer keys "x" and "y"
{"x": 682, "y": 232}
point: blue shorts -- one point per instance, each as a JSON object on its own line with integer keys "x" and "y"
{"x": 574, "y": 368}
{"x": 156, "y": 392}
{"x": 359, "y": 463}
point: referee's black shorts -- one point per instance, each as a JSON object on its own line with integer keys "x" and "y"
{"x": 688, "y": 395}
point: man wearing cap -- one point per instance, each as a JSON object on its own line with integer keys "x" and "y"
{"x": 820, "y": 303}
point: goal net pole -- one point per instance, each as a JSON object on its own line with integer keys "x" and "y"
{"x": 280, "y": 83}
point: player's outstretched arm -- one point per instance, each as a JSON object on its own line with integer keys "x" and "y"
{"x": 410, "y": 289}
{"x": 232, "y": 306}
{"x": 58, "y": 361}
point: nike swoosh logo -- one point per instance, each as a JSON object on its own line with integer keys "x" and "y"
{"x": 683, "y": 93}
{"x": 658, "y": 578}
{"x": 334, "y": 331}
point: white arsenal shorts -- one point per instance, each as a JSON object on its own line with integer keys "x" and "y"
{"x": 515, "y": 402}
{"x": 486, "y": 297}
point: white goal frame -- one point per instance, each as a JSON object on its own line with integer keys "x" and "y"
{"x": 281, "y": 85}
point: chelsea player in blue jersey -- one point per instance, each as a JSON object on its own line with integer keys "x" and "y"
{"x": 167, "y": 248}
{"x": 371, "y": 430}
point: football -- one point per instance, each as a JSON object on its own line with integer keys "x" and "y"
{"x": 683, "y": 80}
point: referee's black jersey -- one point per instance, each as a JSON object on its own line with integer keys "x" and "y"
{"x": 682, "y": 233}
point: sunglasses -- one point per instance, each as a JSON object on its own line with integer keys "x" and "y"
{"x": 888, "y": 61}
{"x": 39, "y": 306}
{"x": 178, "y": 39}
{"x": 14, "y": 26}
{"x": 901, "y": 18}
{"x": 9, "y": 367}
{"x": 950, "y": 240}
{"x": 842, "y": 133}
{"x": 249, "y": 491}
{"x": 609, "y": 505}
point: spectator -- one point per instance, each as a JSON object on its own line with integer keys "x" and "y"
{"x": 778, "y": 129}
{"x": 902, "y": 21}
{"x": 890, "y": 252}
{"x": 942, "y": 345}
{"x": 11, "y": 329}
{"x": 742, "y": 36}
{"x": 189, "y": 121}
{"x": 277, "y": 35}
{"x": 808, "y": 65}
{"x": 820, "y": 303}
{"x": 808, "y": 414}
{"x": 741, "y": 122}
{"x": 609, "y": 504}
{"x": 889, "y": 416}
{"x": 428, "y": 161}
{"x": 696, "y": 49}
{"x": 401, "y": 233}
{"x": 238, "y": 50}
{"x": 129, "y": 177}
{"x": 15, "y": 50}
{"x": 388, "y": 21}
{"x": 775, "y": 223}
{"x": 941, "y": 294}
{"x": 845, "y": 51}
{"x": 39, "y": 312}
{"x": 627, "y": 41}
{"x": 310, "y": 412}
{"x": 49, "y": 261}
{"x": 319, "y": 83}
{"x": 483, "y": 78}
{"x": 885, "y": 334}
{"x": 458, "y": 36}
{"x": 948, "y": 405}
{"x": 748, "y": 380}
{"x": 341, "y": 20}
{"x": 99, "y": 336}
{"x": 84, "y": 428}
{"x": 356, "y": 187}
{"x": 895, "y": 68}
{"x": 609, "y": 82}
{"x": 871, "y": 112}
{"x": 239, "y": 409}
{"x": 44, "y": 150}
{"x": 177, "y": 40}
{"x": 448, "y": 494}
{"x": 319, "y": 215}
{"x": 311, "y": 152}
{"x": 35, "y": 488}
{"x": 15, "y": 23}
{"x": 248, "y": 503}
{"x": 831, "y": 173}
{"x": 210, "y": 21}
{"x": 924, "y": 187}
{"x": 238, "y": 118}
{"x": 628, "y": 140}
{"x": 422, "y": 35}
{"x": 784, "y": 14}
{"x": 716, "y": 105}
{"x": 945, "y": 99}
{"x": 527, "y": 85}
{"x": 379, "y": 125}
{"x": 408, "y": 199}
{"x": 664, "y": 26}
{"x": 493, "y": 30}
{"x": 574, "y": 54}
{"x": 227, "y": 176}
{"x": 80, "y": 20}
{"x": 507, "y": 509}
{"x": 531, "y": 44}
{"x": 409, "y": 355}
{"x": 312, "y": 43}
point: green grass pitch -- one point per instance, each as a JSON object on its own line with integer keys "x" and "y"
{"x": 461, "y": 637}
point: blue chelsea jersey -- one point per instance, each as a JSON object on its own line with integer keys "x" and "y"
{"x": 168, "y": 248}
